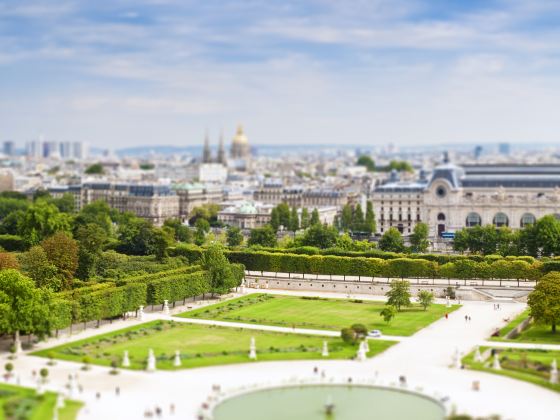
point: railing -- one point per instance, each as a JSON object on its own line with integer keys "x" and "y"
{"x": 520, "y": 283}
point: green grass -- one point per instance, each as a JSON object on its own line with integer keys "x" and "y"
{"x": 318, "y": 313}
{"x": 535, "y": 333}
{"x": 201, "y": 345}
{"x": 529, "y": 365}
{"x": 24, "y": 404}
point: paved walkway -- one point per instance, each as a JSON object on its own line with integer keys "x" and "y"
{"x": 423, "y": 358}
{"x": 306, "y": 331}
{"x": 513, "y": 345}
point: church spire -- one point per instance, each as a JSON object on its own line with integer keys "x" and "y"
{"x": 206, "y": 154}
{"x": 221, "y": 150}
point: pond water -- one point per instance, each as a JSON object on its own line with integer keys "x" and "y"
{"x": 307, "y": 402}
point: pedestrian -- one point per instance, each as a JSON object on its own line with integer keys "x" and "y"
{"x": 446, "y": 315}
{"x": 466, "y": 318}
{"x": 469, "y": 318}
{"x": 117, "y": 391}
{"x": 97, "y": 395}
{"x": 158, "y": 412}
{"x": 172, "y": 409}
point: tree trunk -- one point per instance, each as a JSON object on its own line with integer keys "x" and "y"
{"x": 554, "y": 328}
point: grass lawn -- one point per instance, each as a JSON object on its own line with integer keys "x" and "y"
{"x": 201, "y": 345}
{"x": 530, "y": 365}
{"x": 535, "y": 333}
{"x": 24, "y": 404}
{"x": 318, "y": 313}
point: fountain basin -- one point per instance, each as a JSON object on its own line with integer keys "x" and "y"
{"x": 351, "y": 402}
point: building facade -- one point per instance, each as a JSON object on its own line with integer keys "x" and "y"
{"x": 250, "y": 215}
{"x": 455, "y": 197}
{"x": 153, "y": 202}
{"x": 196, "y": 195}
{"x": 300, "y": 197}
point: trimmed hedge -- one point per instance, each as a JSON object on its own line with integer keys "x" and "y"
{"x": 174, "y": 288}
{"x": 461, "y": 268}
{"x": 12, "y": 243}
{"x": 112, "y": 299}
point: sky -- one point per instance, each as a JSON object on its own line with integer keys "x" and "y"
{"x": 124, "y": 73}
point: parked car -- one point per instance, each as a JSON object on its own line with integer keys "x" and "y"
{"x": 374, "y": 333}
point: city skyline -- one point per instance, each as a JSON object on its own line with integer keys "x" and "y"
{"x": 322, "y": 72}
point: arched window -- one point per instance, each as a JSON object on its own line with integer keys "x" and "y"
{"x": 500, "y": 219}
{"x": 528, "y": 219}
{"x": 441, "y": 216}
{"x": 473, "y": 219}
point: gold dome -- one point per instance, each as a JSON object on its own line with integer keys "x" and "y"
{"x": 240, "y": 138}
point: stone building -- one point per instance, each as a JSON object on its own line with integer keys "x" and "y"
{"x": 153, "y": 202}
{"x": 455, "y": 197}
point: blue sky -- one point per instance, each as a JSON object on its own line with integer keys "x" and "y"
{"x": 124, "y": 73}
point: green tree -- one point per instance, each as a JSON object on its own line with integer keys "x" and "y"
{"x": 234, "y": 236}
{"x": 358, "y": 219}
{"x": 399, "y": 294}
{"x": 305, "y": 218}
{"x": 360, "y": 330}
{"x": 425, "y": 298}
{"x": 64, "y": 204}
{"x": 366, "y": 161}
{"x": 391, "y": 241}
{"x": 41, "y": 194}
{"x": 369, "y": 224}
{"x": 275, "y": 219}
{"x": 264, "y": 236}
{"x": 134, "y": 235}
{"x": 9, "y": 224}
{"x": 388, "y": 313}
{"x": 547, "y": 234}
{"x": 344, "y": 241}
{"x": 95, "y": 169}
{"x": 207, "y": 211}
{"x": 346, "y": 217}
{"x": 158, "y": 242}
{"x": 98, "y": 213}
{"x": 283, "y": 215}
{"x": 320, "y": 236}
{"x": 21, "y": 304}
{"x": 91, "y": 240}
{"x": 202, "y": 228}
{"x": 42, "y": 220}
{"x": 182, "y": 233}
{"x": 544, "y": 301}
{"x": 219, "y": 269}
{"x": 36, "y": 265}
{"x": 315, "y": 219}
{"x": 401, "y": 166}
{"x": 419, "y": 238}
{"x": 62, "y": 252}
{"x": 10, "y": 205}
{"x": 294, "y": 220}
{"x": 348, "y": 335}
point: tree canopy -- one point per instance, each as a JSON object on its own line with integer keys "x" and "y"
{"x": 544, "y": 301}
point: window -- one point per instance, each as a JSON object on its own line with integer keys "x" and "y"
{"x": 473, "y": 219}
{"x": 441, "y": 217}
{"x": 441, "y": 191}
{"x": 500, "y": 219}
{"x": 528, "y": 219}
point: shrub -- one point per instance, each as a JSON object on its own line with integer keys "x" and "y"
{"x": 348, "y": 335}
